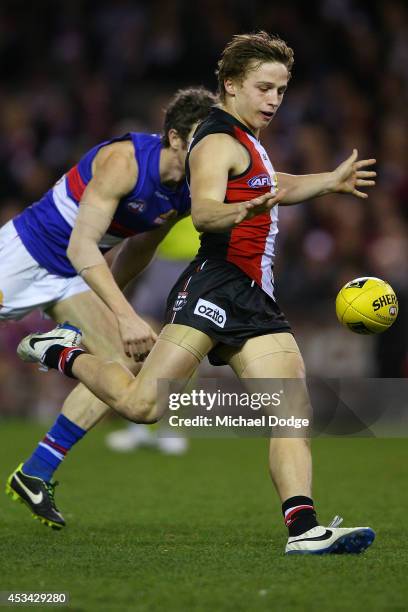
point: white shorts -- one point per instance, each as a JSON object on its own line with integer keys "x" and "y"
{"x": 24, "y": 284}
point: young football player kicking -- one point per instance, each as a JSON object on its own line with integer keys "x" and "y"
{"x": 224, "y": 305}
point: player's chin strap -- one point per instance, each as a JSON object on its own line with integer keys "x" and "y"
{"x": 336, "y": 521}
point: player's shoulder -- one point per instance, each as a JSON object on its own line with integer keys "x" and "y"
{"x": 216, "y": 134}
{"x": 120, "y": 150}
{"x": 116, "y": 165}
{"x": 145, "y": 139}
{"x": 215, "y": 144}
{"x": 217, "y": 122}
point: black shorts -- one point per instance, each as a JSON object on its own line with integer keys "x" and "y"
{"x": 217, "y": 298}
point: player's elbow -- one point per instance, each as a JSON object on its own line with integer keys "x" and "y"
{"x": 83, "y": 253}
{"x": 200, "y": 220}
{"x": 76, "y": 253}
{"x": 73, "y": 250}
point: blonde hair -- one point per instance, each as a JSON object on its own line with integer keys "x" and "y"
{"x": 244, "y": 49}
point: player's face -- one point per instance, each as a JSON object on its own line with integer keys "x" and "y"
{"x": 256, "y": 99}
{"x": 179, "y": 148}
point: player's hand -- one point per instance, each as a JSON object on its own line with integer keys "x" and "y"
{"x": 352, "y": 173}
{"x": 137, "y": 336}
{"x": 259, "y": 205}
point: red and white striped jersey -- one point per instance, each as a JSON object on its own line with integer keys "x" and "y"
{"x": 250, "y": 245}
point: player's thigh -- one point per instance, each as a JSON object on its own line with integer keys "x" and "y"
{"x": 273, "y": 364}
{"x": 176, "y": 354}
{"x": 269, "y": 356}
{"x": 170, "y": 364}
{"x": 98, "y": 324}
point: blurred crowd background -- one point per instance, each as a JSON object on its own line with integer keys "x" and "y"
{"x": 75, "y": 73}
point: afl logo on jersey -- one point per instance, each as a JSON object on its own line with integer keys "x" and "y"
{"x": 261, "y": 180}
{"x": 138, "y": 206}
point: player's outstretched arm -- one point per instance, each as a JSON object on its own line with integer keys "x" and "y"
{"x": 112, "y": 179}
{"x": 211, "y": 161}
{"x": 346, "y": 178}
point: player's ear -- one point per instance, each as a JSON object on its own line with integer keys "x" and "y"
{"x": 175, "y": 140}
{"x": 229, "y": 87}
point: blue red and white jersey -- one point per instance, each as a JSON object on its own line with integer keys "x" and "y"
{"x": 45, "y": 227}
{"x": 251, "y": 244}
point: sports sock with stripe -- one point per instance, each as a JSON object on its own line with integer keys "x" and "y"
{"x": 62, "y": 358}
{"x": 299, "y": 514}
{"x": 53, "y": 448}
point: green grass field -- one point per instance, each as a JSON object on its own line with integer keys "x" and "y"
{"x": 204, "y": 531}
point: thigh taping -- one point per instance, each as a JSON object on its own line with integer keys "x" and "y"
{"x": 256, "y": 348}
{"x": 193, "y": 340}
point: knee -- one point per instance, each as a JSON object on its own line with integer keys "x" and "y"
{"x": 147, "y": 412}
{"x": 142, "y": 411}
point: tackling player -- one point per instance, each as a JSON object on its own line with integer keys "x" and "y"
{"x": 128, "y": 190}
{"x": 234, "y": 196}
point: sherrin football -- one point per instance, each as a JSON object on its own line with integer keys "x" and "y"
{"x": 367, "y": 305}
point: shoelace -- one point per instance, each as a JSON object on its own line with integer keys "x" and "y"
{"x": 50, "y": 486}
{"x": 336, "y": 521}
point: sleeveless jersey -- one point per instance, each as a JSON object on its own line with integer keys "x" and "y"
{"x": 250, "y": 245}
{"x": 45, "y": 227}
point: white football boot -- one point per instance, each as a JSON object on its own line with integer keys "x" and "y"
{"x": 32, "y": 348}
{"x": 131, "y": 438}
{"x": 331, "y": 540}
{"x": 172, "y": 443}
{"x": 135, "y": 436}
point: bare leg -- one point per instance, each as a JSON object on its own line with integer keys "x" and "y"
{"x": 101, "y": 338}
{"x": 136, "y": 398}
{"x": 277, "y": 356}
{"x": 82, "y": 409}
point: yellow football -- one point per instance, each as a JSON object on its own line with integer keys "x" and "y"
{"x": 367, "y": 305}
